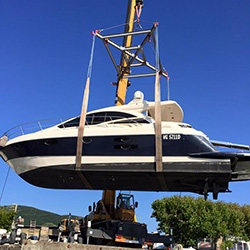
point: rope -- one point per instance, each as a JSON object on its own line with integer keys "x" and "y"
{"x": 138, "y": 13}
{"x": 168, "y": 90}
{"x": 115, "y": 26}
{"x": 123, "y": 24}
{"x": 157, "y": 59}
{"x": 138, "y": 8}
{"x": 91, "y": 56}
{"x": 143, "y": 21}
{"x": 4, "y": 185}
{"x": 168, "y": 77}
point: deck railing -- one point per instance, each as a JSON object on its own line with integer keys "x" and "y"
{"x": 40, "y": 125}
{"x": 31, "y": 127}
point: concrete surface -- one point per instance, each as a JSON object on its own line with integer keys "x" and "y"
{"x": 45, "y": 245}
{"x": 10, "y": 247}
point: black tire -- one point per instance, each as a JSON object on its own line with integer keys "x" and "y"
{"x": 4, "y": 241}
{"x": 23, "y": 237}
{"x": 71, "y": 239}
{"x": 12, "y": 237}
{"x": 98, "y": 241}
{"x": 136, "y": 246}
{"x": 80, "y": 240}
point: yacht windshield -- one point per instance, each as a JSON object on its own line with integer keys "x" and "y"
{"x": 97, "y": 118}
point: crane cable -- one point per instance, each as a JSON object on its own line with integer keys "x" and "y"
{"x": 168, "y": 89}
{"x": 168, "y": 77}
{"x": 83, "y": 119}
{"x": 4, "y": 185}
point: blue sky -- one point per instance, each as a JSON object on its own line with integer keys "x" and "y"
{"x": 44, "y": 53}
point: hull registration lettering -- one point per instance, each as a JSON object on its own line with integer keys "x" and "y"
{"x": 171, "y": 137}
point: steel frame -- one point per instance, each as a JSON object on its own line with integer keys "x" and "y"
{"x": 124, "y": 72}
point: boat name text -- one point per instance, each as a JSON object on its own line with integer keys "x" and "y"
{"x": 171, "y": 137}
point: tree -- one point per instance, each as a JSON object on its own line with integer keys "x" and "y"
{"x": 179, "y": 213}
{"x": 246, "y": 222}
{"x": 49, "y": 224}
{"x": 7, "y": 215}
{"x": 193, "y": 218}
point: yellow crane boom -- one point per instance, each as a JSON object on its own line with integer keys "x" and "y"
{"x": 108, "y": 196}
{"x": 127, "y": 41}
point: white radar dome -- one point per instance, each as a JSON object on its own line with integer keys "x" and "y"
{"x": 138, "y": 95}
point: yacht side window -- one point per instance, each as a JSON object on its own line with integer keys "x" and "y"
{"x": 100, "y": 117}
{"x": 72, "y": 123}
{"x": 139, "y": 120}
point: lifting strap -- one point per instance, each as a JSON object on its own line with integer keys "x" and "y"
{"x": 158, "y": 135}
{"x": 158, "y": 130}
{"x": 138, "y": 9}
{"x": 158, "y": 140}
{"x": 82, "y": 121}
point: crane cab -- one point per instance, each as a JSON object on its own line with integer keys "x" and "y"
{"x": 125, "y": 207}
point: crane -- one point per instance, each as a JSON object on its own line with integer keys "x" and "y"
{"x": 127, "y": 60}
{"x": 108, "y": 196}
{"x": 110, "y": 213}
{"x": 113, "y": 222}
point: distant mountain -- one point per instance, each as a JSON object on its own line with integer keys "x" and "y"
{"x": 40, "y": 216}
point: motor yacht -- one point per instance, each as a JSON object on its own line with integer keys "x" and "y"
{"x": 119, "y": 153}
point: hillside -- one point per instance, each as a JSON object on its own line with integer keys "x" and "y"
{"x": 42, "y": 217}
